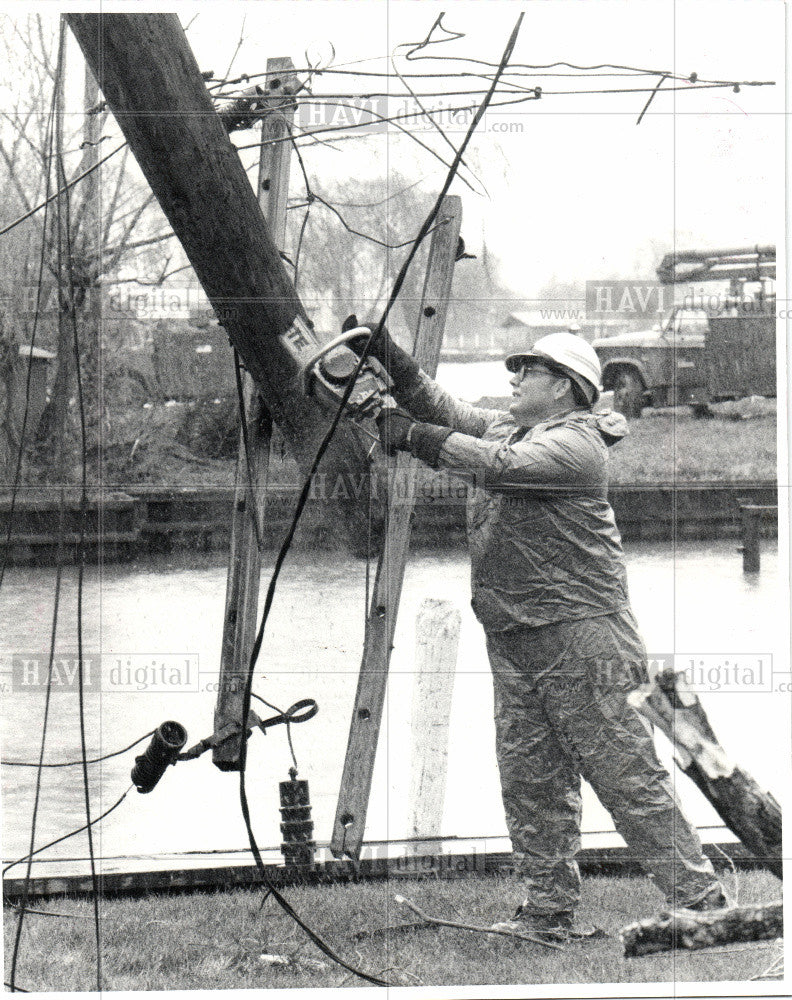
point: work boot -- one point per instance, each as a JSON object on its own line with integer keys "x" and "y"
{"x": 555, "y": 926}
{"x": 713, "y": 899}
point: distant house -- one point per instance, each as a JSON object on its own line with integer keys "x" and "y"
{"x": 38, "y": 361}
{"x": 523, "y": 328}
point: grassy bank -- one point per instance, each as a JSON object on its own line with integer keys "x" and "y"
{"x": 216, "y": 941}
{"x": 672, "y": 446}
{"x": 664, "y": 446}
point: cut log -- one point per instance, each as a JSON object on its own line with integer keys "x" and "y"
{"x": 689, "y": 930}
{"x": 749, "y": 812}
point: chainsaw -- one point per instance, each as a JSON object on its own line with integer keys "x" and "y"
{"x": 326, "y": 375}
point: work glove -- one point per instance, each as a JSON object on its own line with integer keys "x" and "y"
{"x": 399, "y": 432}
{"x": 394, "y": 426}
{"x": 401, "y": 366}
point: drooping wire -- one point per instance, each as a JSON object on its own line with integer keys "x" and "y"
{"x": 75, "y": 763}
{"x": 651, "y": 97}
{"x": 288, "y": 725}
{"x": 57, "y": 194}
{"x": 81, "y": 556}
{"x": 312, "y": 197}
{"x": 59, "y": 558}
{"x": 303, "y": 498}
{"x": 73, "y": 833}
{"x": 49, "y": 140}
{"x": 46, "y": 913}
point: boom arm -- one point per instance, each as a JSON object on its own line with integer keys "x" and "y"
{"x": 752, "y": 263}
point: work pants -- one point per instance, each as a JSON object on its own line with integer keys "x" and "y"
{"x": 561, "y": 712}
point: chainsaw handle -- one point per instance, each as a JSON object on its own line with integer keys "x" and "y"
{"x": 331, "y": 345}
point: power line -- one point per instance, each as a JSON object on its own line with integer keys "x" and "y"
{"x": 70, "y": 184}
{"x": 66, "y": 836}
{"x": 74, "y": 763}
{"x": 59, "y": 569}
{"x": 81, "y": 575}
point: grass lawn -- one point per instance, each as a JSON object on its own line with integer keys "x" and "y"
{"x": 663, "y": 445}
{"x": 216, "y": 941}
{"x": 667, "y": 446}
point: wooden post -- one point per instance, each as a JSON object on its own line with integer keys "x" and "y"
{"x": 153, "y": 86}
{"x": 750, "y": 517}
{"x": 753, "y": 815}
{"x": 437, "y": 641}
{"x": 244, "y": 566}
{"x": 350, "y": 819}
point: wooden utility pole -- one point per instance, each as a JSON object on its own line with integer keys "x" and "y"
{"x": 350, "y": 820}
{"x": 57, "y": 411}
{"x": 244, "y": 566}
{"x": 92, "y": 241}
{"x": 153, "y": 86}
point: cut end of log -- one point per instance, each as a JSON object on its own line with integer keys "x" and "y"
{"x": 690, "y": 930}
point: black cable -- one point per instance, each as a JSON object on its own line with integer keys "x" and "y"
{"x": 651, "y": 97}
{"x": 58, "y": 574}
{"x": 66, "y": 836}
{"x": 303, "y": 497}
{"x": 355, "y": 232}
{"x": 303, "y": 227}
{"x": 74, "y": 763}
{"x": 46, "y": 913}
{"x": 58, "y": 193}
{"x": 80, "y": 578}
{"x": 288, "y": 725}
{"x": 36, "y": 317}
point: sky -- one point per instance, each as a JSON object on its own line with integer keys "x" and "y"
{"x": 567, "y": 188}
{"x": 575, "y": 189}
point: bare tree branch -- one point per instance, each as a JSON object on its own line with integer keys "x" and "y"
{"x": 111, "y": 208}
{"x": 151, "y": 241}
{"x": 123, "y": 244}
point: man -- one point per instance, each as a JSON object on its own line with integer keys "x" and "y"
{"x": 549, "y": 587}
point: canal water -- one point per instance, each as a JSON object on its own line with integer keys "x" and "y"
{"x": 153, "y": 635}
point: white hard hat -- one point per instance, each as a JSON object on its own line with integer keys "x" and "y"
{"x": 575, "y": 357}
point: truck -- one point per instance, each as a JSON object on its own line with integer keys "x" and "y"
{"x": 705, "y": 349}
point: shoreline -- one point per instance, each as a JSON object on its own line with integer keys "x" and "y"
{"x": 153, "y": 520}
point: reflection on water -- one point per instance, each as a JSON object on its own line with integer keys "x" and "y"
{"x": 694, "y": 600}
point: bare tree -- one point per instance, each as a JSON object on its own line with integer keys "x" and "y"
{"x": 347, "y": 272}
{"x": 95, "y": 229}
